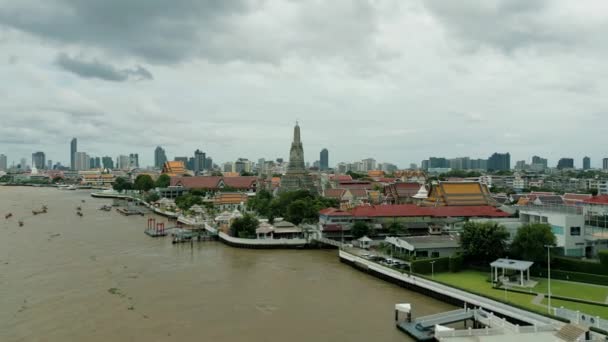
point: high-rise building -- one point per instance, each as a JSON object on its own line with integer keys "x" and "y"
{"x": 228, "y": 167}
{"x": 107, "y": 162}
{"x": 565, "y": 163}
{"x": 605, "y": 163}
{"x": 520, "y": 165}
{"x": 38, "y": 160}
{"x": 73, "y": 150}
{"x": 3, "y": 162}
{"x": 425, "y": 164}
{"x": 462, "y": 163}
{"x": 97, "y": 163}
{"x": 23, "y": 164}
{"x": 160, "y": 157}
{"x": 296, "y": 177}
{"x": 586, "y": 163}
{"x": 479, "y": 164}
{"x": 209, "y": 163}
{"x": 413, "y": 166}
{"x": 435, "y": 162}
{"x": 324, "y": 160}
{"x": 538, "y": 163}
{"x": 81, "y": 161}
{"x": 133, "y": 160}
{"x": 123, "y": 162}
{"x": 91, "y": 163}
{"x": 199, "y": 161}
{"x": 499, "y": 162}
{"x": 49, "y": 164}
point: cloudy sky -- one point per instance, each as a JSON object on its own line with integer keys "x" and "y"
{"x": 396, "y": 80}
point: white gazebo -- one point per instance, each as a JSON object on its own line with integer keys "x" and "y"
{"x": 364, "y": 242}
{"x": 514, "y": 265}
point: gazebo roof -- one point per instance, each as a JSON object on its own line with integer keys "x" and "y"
{"x": 364, "y": 239}
{"x": 511, "y": 264}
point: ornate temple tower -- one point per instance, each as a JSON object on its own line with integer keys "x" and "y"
{"x": 296, "y": 178}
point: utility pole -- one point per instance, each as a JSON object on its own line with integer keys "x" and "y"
{"x": 549, "y": 277}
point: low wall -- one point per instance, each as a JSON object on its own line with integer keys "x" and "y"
{"x": 262, "y": 244}
{"x": 445, "y": 293}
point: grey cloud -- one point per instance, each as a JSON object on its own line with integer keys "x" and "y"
{"x": 216, "y": 30}
{"x": 96, "y": 69}
{"x": 503, "y": 24}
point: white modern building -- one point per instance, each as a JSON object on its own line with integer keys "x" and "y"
{"x": 81, "y": 159}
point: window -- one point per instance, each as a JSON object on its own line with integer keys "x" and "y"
{"x": 575, "y": 231}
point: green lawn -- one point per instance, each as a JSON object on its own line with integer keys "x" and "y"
{"x": 573, "y": 290}
{"x": 477, "y": 282}
{"x": 596, "y": 310}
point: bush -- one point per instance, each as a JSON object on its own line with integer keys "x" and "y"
{"x": 579, "y": 266}
{"x": 456, "y": 263}
{"x": 603, "y": 255}
{"x": 424, "y": 266}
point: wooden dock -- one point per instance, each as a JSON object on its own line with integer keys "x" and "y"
{"x": 129, "y": 211}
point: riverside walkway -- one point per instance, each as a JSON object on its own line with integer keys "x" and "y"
{"x": 460, "y": 295}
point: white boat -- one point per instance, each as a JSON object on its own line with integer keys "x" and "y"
{"x": 71, "y": 187}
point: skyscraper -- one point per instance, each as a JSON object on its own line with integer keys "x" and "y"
{"x": 122, "y": 162}
{"x": 324, "y": 160}
{"x": 3, "y": 162}
{"x": 183, "y": 160}
{"x": 565, "y": 163}
{"x": 49, "y": 164}
{"x": 538, "y": 163}
{"x": 160, "y": 157}
{"x": 38, "y": 160}
{"x": 209, "y": 164}
{"x": 199, "y": 161}
{"x": 133, "y": 160}
{"x": 81, "y": 161}
{"x": 499, "y": 162}
{"x": 296, "y": 177}
{"x": 73, "y": 150}
{"x": 97, "y": 163}
{"x": 586, "y": 163}
{"x": 605, "y": 163}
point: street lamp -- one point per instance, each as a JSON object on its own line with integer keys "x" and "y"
{"x": 549, "y": 277}
{"x": 433, "y": 269}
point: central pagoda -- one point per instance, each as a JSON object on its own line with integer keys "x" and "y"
{"x": 296, "y": 178}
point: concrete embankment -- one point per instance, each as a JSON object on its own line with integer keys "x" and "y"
{"x": 445, "y": 293}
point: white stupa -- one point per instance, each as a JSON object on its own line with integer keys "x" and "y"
{"x": 34, "y": 170}
{"x": 422, "y": 193}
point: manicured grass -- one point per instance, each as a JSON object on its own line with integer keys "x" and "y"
{"x": 573, "y": 290}
{"x": 589, "y": 309}
{"x": 476, "y": 282}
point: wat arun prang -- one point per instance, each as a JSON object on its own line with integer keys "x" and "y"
{"x": 296, "y": 178}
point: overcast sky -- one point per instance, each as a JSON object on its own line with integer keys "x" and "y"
{"x": 395, "y": 80}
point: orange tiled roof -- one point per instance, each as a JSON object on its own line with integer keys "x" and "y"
{"x": 459, "y": 194}
{"x": 174, "y": 168}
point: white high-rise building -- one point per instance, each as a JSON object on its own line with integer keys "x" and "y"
{"x": 123, "y": 162}
{"x": 82, "y": 161}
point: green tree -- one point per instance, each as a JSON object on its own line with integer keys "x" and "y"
{"x": 245, "y": 173}
{"x": 360, "y": 229}
{"x": 143, "y": 183}
{"x": 120, "y": 184}
{"x": 244, "y": 227}
{"x": 184, "y": 202}
{"x": 530, "y": 241}
{"x": 152, "y": 197}
{"x": 163, "y": 181}
{"x": 484, "y": 241}
{"x": 396, "y": 228}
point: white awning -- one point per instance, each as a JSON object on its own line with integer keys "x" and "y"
{"x": 404, "y": 307}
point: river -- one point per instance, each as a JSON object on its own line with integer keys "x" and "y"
{"x": 99, "y": 278}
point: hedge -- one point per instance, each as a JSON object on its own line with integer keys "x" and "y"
{"x": 456, "y": 263}
{"x": 424, "y": 266}
{"x": 603, "y": 255}
{"x": 576, "y": 276}
{"x": 579, "y": 266}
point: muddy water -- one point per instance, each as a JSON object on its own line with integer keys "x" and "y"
{"x": 99, "y": 278}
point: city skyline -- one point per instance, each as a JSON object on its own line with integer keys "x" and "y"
{"x": 357, "y": 87}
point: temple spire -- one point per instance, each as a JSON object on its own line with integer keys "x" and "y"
{"x": 296, "y": 133}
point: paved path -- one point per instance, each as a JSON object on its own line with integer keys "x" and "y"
{"x": 538, "y": 300}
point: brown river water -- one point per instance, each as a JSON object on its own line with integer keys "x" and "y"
{"x": 99, "y": 278}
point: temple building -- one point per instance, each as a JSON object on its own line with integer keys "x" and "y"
{"x": 459, "y": 194}
{"x": 296, "y": 178}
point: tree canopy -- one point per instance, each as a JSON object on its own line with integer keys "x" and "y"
{"x": 163, "y": 181}
{"x": 360, "y": 229}
{"x": 484, "y": 241}
{"x": 295, "y": 206}
{"x": 396, "y": 228}
{"x": 143, "y": 183}
{"x": 244, "y": 227}
{"x": 121, "y": 184}
{"x": 184, "y": 202}
{"x": 530, "y": 241}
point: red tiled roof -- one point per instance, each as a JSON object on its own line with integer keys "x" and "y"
{"x": 359, "y": 193}
{"x": 355, "y": 185}
{"x": 600, "y": 199}
{"x": 542, "y": 193}
{"x": 340, "y": 178}
{"x": 411, "y": 210}
{"x": 332, "y": 227}
{"x": 199, "y": 182}
{"x": 241, "y": 182}
{"x": 386, "y": 180}
{"x": 334, "y": 212}
{"x": 577, "y": 197}
{"x": 334, "y": 193}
